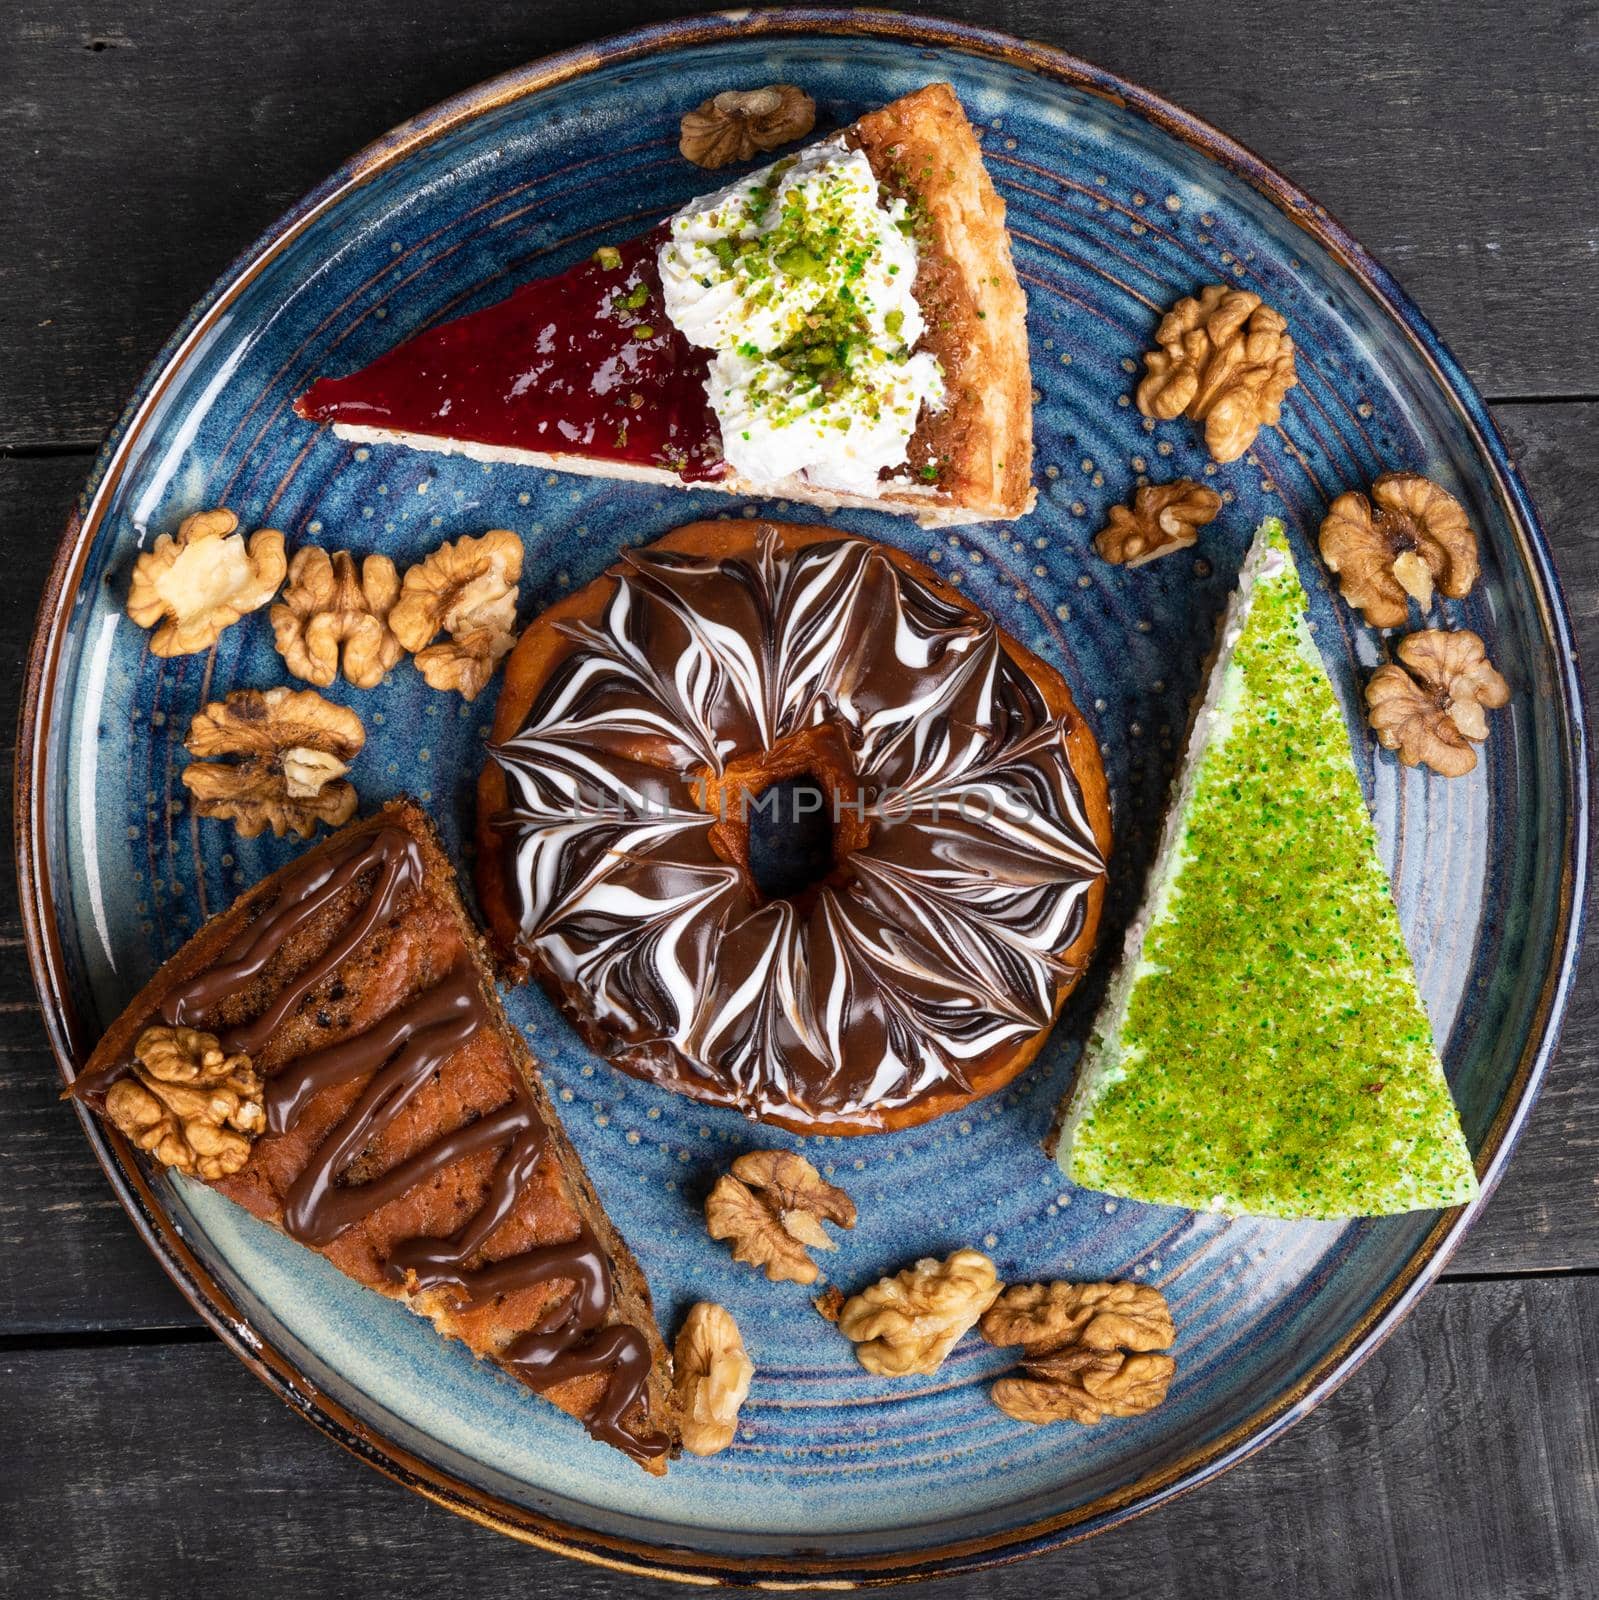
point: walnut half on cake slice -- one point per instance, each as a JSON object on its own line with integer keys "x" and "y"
{"x": 844, "y": 327}
{"x": 330, "y": 1054}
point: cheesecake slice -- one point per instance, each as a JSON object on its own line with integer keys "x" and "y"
{"x": 844, "y": 327}
{"x": 1263, "y": 1048}
{"x": 330, "y": 1054}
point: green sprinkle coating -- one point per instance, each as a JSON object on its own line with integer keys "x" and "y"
{"x": 1269, "y": 1053}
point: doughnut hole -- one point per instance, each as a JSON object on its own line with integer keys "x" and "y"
{"x": 789, "y": 817}
{"x": 791, "y": 836}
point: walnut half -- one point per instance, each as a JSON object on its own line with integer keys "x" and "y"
{"x": 1089, "y": 1350}
{"x": 187, "y": 1103}
{"x": 296, "y": 749}
{"x": 1100, "y": 1316}
{"x": 772, "y": 1206}
{"x": 711, "y": 1375}
{"x": 1165, "y": 517}
{"x": 1410, "y": 538}
{"x": 192, "y": 587}
{"x": 733, "y": 125}
{"x": 466, "y": 589}
{"x": 1082, "y": 1385}
{"x": 328, "y": 607}
{"x": 1432, "y": 708}
{"x": 1223, "y": 358}
{"x": 910, "y": 1322}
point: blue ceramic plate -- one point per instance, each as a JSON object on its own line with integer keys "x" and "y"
{"x": 1118, "y": 204}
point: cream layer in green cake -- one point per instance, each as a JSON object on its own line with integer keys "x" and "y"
{"x": 1262, "y": 1048}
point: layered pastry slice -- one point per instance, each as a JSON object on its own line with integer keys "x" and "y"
{"x": 330, "y": 1054}
{"x": 844, "y": 327}
{"x": 1263, "y": 1048}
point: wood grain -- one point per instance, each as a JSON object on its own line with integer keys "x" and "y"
{"x": 1526, "y": 1227}
{"x": 1461, "y": 1463}
{"x": 148, "y": 143}
{"x": 69, "y": 1259}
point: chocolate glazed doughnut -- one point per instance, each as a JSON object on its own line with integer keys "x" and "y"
{"x": 642, "y": 726}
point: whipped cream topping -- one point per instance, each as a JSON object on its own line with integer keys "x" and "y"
{"x": 943, "y": 946}
{"x": 800, "y": 281}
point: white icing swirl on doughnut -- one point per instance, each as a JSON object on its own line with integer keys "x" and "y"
{"x": 943, "y": 948}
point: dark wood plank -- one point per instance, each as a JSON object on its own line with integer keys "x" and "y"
{"x": 68, "y": 1257}
{"x": 1546, "y": 1211}
{"x": 69, "y": 1260}
{"x": 149, "y": 142}
{"x": 1461, "y": 1463}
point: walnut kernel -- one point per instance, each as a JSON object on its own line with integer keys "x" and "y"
{"x": 200, "y": 582}
{"x": 910, "y": 1322}
{"x": 711, "y": 1376}
{"x": 733, "y": 125}
{"x": 1089, "y": 1350}
{"x": 1165, "y": 517}
{"x": 1224, "y": 359}
{"x": 329, "y": 606}
{"x": 189, "y": 1104}
{"x": 1410, "y": 538}
{"x": 1098, "y": 1316}
{"x": 1431, "y": 708}
{"x": 1083, "y": 1385}
{"x": 829, "y": 1303}
{"x": 296, "y": 749}
{"x": 466, "y": 589}
{"x": 772, "y": 1206}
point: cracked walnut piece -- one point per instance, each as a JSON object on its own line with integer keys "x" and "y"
{"x": 466, "y": 589}
{"x": 1433, "y": 713}
{"x": 1043, "y": 1317}
{"x": 329, "y": 606}
{"x": 733, "y": 125}
{"x": 1165, "y": 517}
{"x": 187, "y": 1103}
{"x": 296, "y": 747}
{"x": 1410, "y": 538}
{"x": 910, "y": 1322}
{"x": 829, "y": 1303}
{"x": 1224, "y": 359}
{"x": 200, "y": 582}
{"x": 1089, "y": 1350}
{"x": 711, "y": 1378}
{"x": 1083, "y": 1385}
{"x": 772, "y": 1206}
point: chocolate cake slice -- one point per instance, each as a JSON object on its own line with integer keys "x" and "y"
{"x": 330, "y": 1054}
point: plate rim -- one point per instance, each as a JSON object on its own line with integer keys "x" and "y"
{"x": 211, "y": 1300}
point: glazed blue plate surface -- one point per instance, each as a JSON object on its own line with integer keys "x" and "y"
{"x": 1118, "y": 204}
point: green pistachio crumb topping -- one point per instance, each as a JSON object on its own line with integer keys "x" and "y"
{"x": 811, "y": 232}
{"x": 1272, "y": 1054}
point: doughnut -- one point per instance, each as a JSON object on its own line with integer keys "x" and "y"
{"x": 745, "y": 689}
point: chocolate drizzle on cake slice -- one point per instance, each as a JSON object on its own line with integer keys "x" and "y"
{"x": 406, "y": 1137}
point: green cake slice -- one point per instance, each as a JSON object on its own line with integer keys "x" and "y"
{"x": 1263, "y": 1048}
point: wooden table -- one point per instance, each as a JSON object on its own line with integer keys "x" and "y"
{"x": 143, "y": 144}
